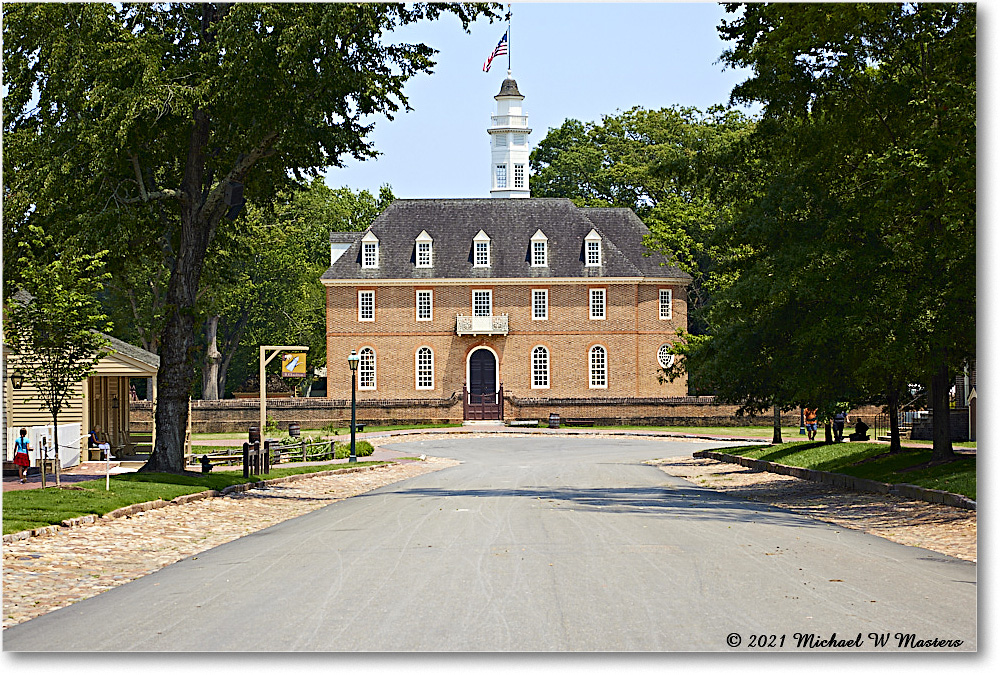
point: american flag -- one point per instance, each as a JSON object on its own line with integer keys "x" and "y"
{"x": 499, "y": 51}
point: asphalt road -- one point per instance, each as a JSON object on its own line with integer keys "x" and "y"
{"x": 541, "y": 544}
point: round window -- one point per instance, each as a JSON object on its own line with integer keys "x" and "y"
{"x": 664, "y": 356}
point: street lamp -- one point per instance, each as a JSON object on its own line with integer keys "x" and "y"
{"x": 16, "y": 380}
{"x": 802, "y": 421}
{"x": 353, "y": 361}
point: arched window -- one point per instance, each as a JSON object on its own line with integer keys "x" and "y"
{"x": 366, "y": 368}
{"x": 425, "y": 368}
{"x": 539, "y": 368}
{"x": 598, "y": 367}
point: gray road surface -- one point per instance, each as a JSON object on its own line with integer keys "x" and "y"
{"x": 541, "y": 544}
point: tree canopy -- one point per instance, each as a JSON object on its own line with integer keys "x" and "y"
{"x": 151, "y": 121}
{"x": 850, "y": 263}
{"x": 663, "y": 164}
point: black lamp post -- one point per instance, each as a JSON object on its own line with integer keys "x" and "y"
{"x": 802, "y": 421}
{"x": 16, "y": 380}
{"x": 352, "y": 361}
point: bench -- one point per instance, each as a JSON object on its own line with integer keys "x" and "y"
{"x": 523, "y": 423}
{"x": 578, "y": 422}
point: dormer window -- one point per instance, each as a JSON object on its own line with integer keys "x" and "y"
{"x": 539, "y": 250}
{"x": 425, "y": 253}
{"x": 369, "y": 251}
{"x": 481, "y": 250}
{"x": 592, "y": 249}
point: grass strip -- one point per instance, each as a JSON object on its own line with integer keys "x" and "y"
{"x": 29, "y": 509}
{"x": 872, "y": 461}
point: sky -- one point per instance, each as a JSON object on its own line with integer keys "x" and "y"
{"x": 570, "y": 60}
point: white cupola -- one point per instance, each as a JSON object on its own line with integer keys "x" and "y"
{"x": 509, "y": 149}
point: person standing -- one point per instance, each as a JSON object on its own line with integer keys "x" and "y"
{"x": 811, "y": 414}
{"x": 22, "y": 458}
{"x": 839, "y": 419}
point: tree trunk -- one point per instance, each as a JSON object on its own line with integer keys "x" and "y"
{"x": 176, "y": 373}
{"x": 210, "y": 370}
{"x": 55, "y": 441}
{"x": 894, "y": 444}
{"x": 941, "y": 416}
{"x": 776, "y": 439}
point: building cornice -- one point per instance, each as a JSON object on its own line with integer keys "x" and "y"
{"x": 516, "y": 281}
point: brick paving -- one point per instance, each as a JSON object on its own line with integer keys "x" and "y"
{"x": 945, "y": 529}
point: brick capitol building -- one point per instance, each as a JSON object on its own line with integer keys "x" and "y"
{"x": 504, "y": 307}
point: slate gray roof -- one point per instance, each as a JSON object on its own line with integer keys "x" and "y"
{"x": 510, "y": 224}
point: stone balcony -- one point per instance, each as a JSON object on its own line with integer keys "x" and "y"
{"x": 482, "y": 325}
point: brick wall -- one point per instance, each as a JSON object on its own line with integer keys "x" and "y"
{"x": 238, "y": 415}
{"x": 632, "y": 333}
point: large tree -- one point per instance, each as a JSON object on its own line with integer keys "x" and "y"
{"x": 172, "y": 111}
{"x": 864, "y": 205}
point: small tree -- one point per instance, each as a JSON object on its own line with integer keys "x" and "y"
{"x": 52, "y": 324}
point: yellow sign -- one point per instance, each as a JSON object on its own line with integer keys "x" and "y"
{"x": 293, "y": 364}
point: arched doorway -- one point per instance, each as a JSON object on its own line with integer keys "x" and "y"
{"x": 483, "y": 396}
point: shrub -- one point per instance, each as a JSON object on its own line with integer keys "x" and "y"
{"x": 361, "y": 449}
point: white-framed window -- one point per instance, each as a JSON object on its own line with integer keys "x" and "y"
{"x": 366, "y": 368}
{"x": 539, "y": 304}
{"x": 519, "y": 175}
{"x": 366, "y": 305}
{"x": 482, "y": 254}
{"x": 539, "y": 254}
{"x": 369, "y": 251}
{"x": 592, "y": 249}
{"x": 481, "y": 250}
{"x": 425, "y": 368}
{"x": 664, "y": 357}
{"x": 598, "y": 367}
{"x": 539, "y": 368}
{"x": 598, "y": 304}
{"x": 593, "y": 254}
{"x": 482, "y": 303}
{"x": 425, "y": 251}
{"x": 666, "y": 303}
{"x": 425, "y": 305}
{"x": 501, "y": 176}
{"x": 539, "y": 249}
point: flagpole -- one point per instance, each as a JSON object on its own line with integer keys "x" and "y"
{"x": 508, "y": 39}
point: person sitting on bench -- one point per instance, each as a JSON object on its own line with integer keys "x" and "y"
{"x": 94, "y": 441}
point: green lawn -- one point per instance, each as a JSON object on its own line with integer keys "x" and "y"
{"x": 849, "y": 458}
{"x": 28, "y": 509}
{"x": 752, "y": 432}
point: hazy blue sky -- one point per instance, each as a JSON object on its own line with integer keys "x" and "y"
{"x": 570, "y": 60}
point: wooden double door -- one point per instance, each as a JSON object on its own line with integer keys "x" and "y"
{"x": 483, "y": 398}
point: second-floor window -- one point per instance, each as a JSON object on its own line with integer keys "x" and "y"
{"x": 482, "y": 303}
{"x": 425, "y": 305}
{"x": 539, "y": 304}
{"x": 593, "y": 254}
{"x": 597, "y": 304}
{"x": 666, "y": 303}
{"x": 366, "y": 305}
